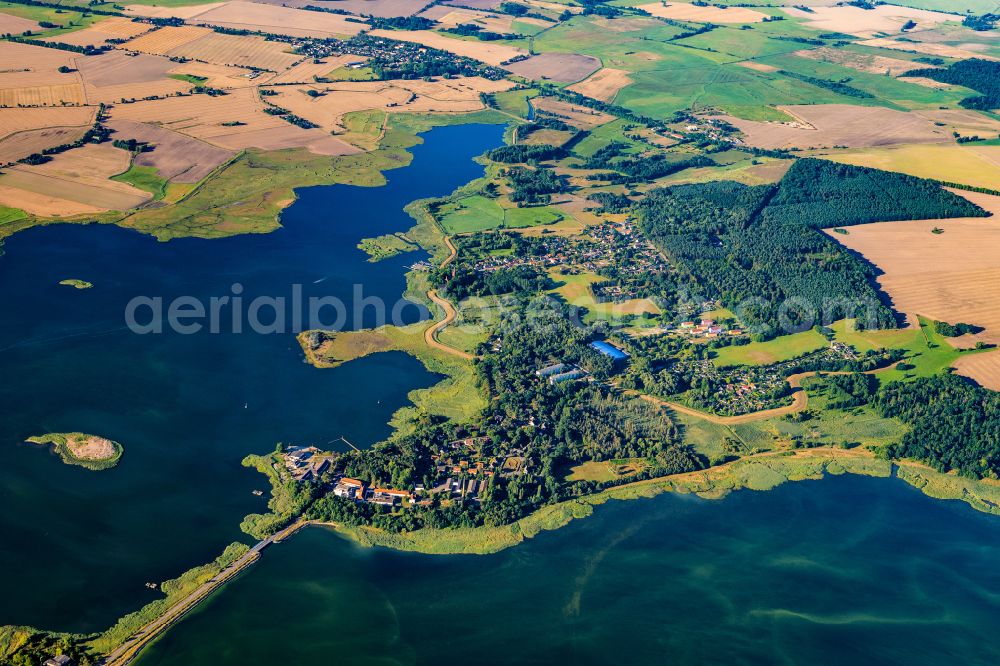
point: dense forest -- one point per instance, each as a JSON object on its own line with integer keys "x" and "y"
{"x": 977, "y": 74}
{"x": 954, "y": 424}
{"x": 522, "y": 153}
{"x": 534, "y": 186}
{"x": 760, "y": 249}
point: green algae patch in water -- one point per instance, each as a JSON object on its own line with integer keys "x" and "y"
{"x": 76, "y": 448}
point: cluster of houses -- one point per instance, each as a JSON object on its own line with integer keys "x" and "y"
{"x": 463, "y": 472}
{"x": 707, "y": 328}
{"x": 618, "y": 245}
{"x": 359, "y": 491}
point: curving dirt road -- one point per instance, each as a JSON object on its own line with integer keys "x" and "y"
{"x": 430, "y": 335}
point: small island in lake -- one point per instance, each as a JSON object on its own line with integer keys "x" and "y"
{"x": 78, "y": 284}
{"x": 77, "y": 448}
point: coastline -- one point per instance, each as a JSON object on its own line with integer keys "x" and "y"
{"x": 760, "y": 472}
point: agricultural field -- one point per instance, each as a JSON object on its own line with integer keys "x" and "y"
{"x": 872, "y": 63}
{"x": 330, "y": 102}
{"x": 984, "y": 369}
{"x": 603, "y": 84}
{"x": 15, "y": 25}
{"x": 275, "y": 19}
{"x": 233, "y": 122}
{"x": 557, "y": 67}
{"x": 968, "y": 164}
{"x": 952, "y": 275}
{"x": 842, "y": 125}
{"x": 929, "y": 48}
{"x": 198, "y": 43}
{"x": 573, "y": 114}
{"x": 66, "y": 20}
{"x": 102, "y": 32}
{"x": 116, "y": 76}
{"x": 27, "y": 131}
{"x": 175, "y": 157}
{"x": 381, "y": 8}
{"x": 449, "y": 17}
{"x": 868, "y": 23}
{"x": 684, "y": 11}
{"x": 30, "y": 76}
{"x": 73, "y": 183}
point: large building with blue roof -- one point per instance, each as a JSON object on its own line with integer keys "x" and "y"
{"x": 616, "y": 355}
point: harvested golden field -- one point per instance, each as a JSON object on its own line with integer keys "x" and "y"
{"x": 984, "y": 369}
{"x": 29, "y": 76}
{"x": 868, "y": 22}
{"x": 203, "y": 44}
{"x": 15, "y": 25}
{"x": 969, "y": 164}
{"x": 277, "y": 20}
{"x": 176, "y": 157}
{"x": 168, "y": 11}
{"x": 20, "y": 145}
{"x": 27, "y": 131}
{"x": 558, "y": 67}
{"x": 417, "y": 96}
{"x": 58, "y": 95}
{"x": 940, "y": 50}
{"x": 118, "y": 67}
{"x": 683, "y": 11}
{"x": 580, "y": 117}
{"x": 952, "y": 276}
{"x": 381, "y": 8}
{"x": 116, "y": 75}
{"x": 449, "y": 17}
{"x": 238, "y": 51}
{"x": 98, "y": 34}
{"x": 162, "y": 40}
{"x": 130, "y": 92}
{"x": 963, "y": 121}
{"x": 604, "y": 84}
{"x": 234, "y": 122}
{"x": 863, "y": 62}
{"x": 220, "y": 76}
{"x": 489, "y": 52}
{"x": 827, "y": 125}
{"x": 72, "y": 183}
{"x": 308, "y": 71}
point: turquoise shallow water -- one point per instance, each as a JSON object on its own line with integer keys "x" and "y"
{"x": 77, "y": 546}
{"x": 847, "y": 570}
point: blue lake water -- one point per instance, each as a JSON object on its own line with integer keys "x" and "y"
{"x": 79, "y": 545}
{"x": 847, "y": 570}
